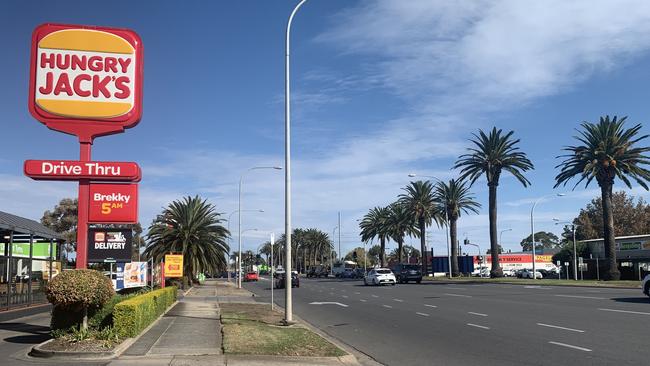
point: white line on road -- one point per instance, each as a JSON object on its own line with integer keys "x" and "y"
{"x": 477, "y": 326}
{"x": 431, "y": 306}
{"x": 458, "y": 295}
{"x": 362, "y": 300}
{"x": 374, "y": 295}
{"x": 398, "y": 300}
{"x": 328, "y": 303}
{"x": 387, "y": 306}
{"x": 479, "y": 314}
{"x": 582, "y": 297}
{"x": 423, "y": 314}
{"x": 626, "y": 311}
{"x": 570, "y": 346}
{"x": 558, "y": 327}
{"x": 357, "y": 293}
{"x": 456, "y": 288}
{"x": 345, "y": 296}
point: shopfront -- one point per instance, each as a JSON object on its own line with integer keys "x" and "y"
{"x": 28, "y": 260}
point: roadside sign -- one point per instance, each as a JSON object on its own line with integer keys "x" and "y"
{"x": 109, "y": 245}
{"x": 85, "y": 80}
{"x": 173, "y": 265}
{"x": 113, "y": 203}
{"x": 75, "y": 170}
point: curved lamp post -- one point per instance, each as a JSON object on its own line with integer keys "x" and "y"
{"x": 532, "y": 225}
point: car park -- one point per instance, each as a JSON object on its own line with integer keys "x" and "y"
{"x": 379, "y": 276}
{"x": 645, "y": 285}
{"x": 405, "y": 272}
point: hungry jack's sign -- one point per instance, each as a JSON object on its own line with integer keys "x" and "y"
{"x": 87, "y": 81}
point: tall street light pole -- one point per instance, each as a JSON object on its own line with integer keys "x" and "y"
{"x": 446, "y": 223}
{"x": 340, "y": 255}
{"x": 240, "y": 259}
{"x": 230, "y": 237}
{"x": 532, "y": 226}
{"x": 331, "y": 256}
{"x": 288, "y": 308}
{"x": 501, "y": 234}
{"x": 241, "y": 182}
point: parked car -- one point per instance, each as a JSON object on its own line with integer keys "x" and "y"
{"x": 549, "y": 273}
{"x": 359, "y": 273}
{"x": 251, "y": 276}
{"x": 280, "y": 279}
{"x": 405, "y": 272}
{"x": 348, "y": 273}
{"x": 528, "y": 273}
{"x": 645, "y": 285}
{"x": 379, "y": 276}
{"x": 509, "y": 273}
{"x": 317, "y": 271}
{"x": 481, "y": 272}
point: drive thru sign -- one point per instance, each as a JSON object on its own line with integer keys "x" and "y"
{"x": 87, "y": 81}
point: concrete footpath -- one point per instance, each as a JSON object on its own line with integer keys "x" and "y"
{"x": 190, "y": 334}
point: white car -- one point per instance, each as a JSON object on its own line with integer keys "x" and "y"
{"x": 379, "y": 276}
{"x": 645, "y": 285}
{"x": 509, "y": 273}
{"x": 528, "y": 273}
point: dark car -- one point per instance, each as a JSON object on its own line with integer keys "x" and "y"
{"x": 359, "y": 273}
{"x": 407, "y": 272}
{"x": 549, "y": 274}
{"x": 317, "y": 271}
{"x": 280, "y": 280}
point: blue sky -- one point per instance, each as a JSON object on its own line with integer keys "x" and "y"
{"x": 380, "y": 89}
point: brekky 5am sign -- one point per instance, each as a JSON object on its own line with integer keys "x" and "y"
{"x": 87, "y": 81}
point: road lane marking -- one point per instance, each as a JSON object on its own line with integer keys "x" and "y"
{"x": 345, "y": 296}
{"x": 328, "y": 303}
{"x": 357, "y": 293}
{"x": 457, "y": 288}
{"x": 582, "y": 297}
{"x": 387, "y": 306}
{"x": 398, "y": 300}
{"x": 558, "y": 327}
{"x": 431, "y": 306}
{"x": 374, "y": 295}
{"x": 362, "y": 300}
{"x": 458, "y": 295}
{"x": 626, "y": 311}
{"x": 423, "y": 314}
{"x": 478, "y": 326}
{"x": 479, "y": 314}
{"x": 570, "y": 346}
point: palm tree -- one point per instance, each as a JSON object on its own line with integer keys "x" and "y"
{"x": 400, "y": 223}
{"x": 454, "y": 198}
{"x": 421, "y": 205}
{"x": 373, "y": 225}
{"x": 190, "y": 226}
{"x": 493, "y": 154}
{"x": 606, "y": 151}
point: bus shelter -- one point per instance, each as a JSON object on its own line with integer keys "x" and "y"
{"x": 28, "y": 260}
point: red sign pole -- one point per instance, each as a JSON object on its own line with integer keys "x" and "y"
{"x": 82, "y": 208}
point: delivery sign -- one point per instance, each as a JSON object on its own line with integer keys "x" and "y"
{"x": 113, "y": 203}
{"x": 86, "y": 81}
{"x": 173, "y": 265}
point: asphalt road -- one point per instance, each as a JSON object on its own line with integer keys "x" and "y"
{"x": 477, "y": 324}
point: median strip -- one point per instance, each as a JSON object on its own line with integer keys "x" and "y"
{"x": 570, "y": 346}
{"x": 558, "y": 327}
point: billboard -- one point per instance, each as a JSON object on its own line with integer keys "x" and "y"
{"x": 132, "y": 274}
{"x": 109, "y": 245}
{"x": 85, "y": 80}
{"x": 40, "y": 250}
{"x": 113, "y": 203}
{"x": 173, "y": 265}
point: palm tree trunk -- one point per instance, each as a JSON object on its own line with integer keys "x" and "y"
{"x": 423, "y": 249}
{"x": 611, "y": 272}
{"x": 400, "y": 242}
{"x": 494, "y": 245}
{"x": 382, "y": 251}
{"x": 453, "y": 234}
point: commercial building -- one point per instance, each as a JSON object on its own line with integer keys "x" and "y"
{"x": 632, "y": 254}
{"x": 28, "y": 260}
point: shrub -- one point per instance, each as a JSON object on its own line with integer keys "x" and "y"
{"x": 76, "y": 293}
{"x": 131, "y": 316}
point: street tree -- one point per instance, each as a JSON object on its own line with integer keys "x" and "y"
{"x": 63, "y": 220}
{"x": 606, "y": 150}
{"x": 454, "y": 198}
{"x": 193, "y": 227}
{"x": 375, "y": 225}
{"x": 492, "y": 154}
{"x": 545, "y": 239}
{"x": 420, "y": 203}
{"x": 400, "y": 223}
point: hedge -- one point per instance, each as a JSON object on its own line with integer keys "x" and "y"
{"x": 131, "y": 316}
